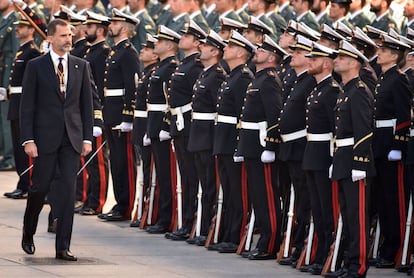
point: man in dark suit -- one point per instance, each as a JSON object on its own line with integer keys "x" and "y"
{"x": 56, "y": 128}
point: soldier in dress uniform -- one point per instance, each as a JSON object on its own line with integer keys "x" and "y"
{"x": 138, "y": 138}
{"x": 122, "y": 68}
{"x": 197, "y": 16}
{"x": 98, "y": 168}
{"x": 8, "y": 47}
{"x": 201, "y": 136}
{"x": 285, "y": 71}
{"x": 180, "y": 94}
{"x": 145, "y": 26}
{"x": 383, "y": 20}
{"x": 330, "y": 37}
{"x": 27, "y": 51}
{"x": 320, "y": 8}
{"x": 80, "y": 44}
{"x": 393, "y": 97}
{"x": 229, "y": 106}
{"x": 209, "y": 12}
{"x": 157, "y": 124}
{"x": 258, "y": 144}
{"x": 164, "y": 15}
{"x": 317, "y": 157}
{"x": 304, "y": 14}
{"x": 180, "y": 10}
{"x": 375, "y": 35}
{"x": 409, "y": 14}
{"x": 279, "y": 22}
{"x": 258, "y": 9}
{"x": 286, "y": 10}
{"x": 292, "y": 127}
{"x": 353, "y": 159}
{"x": 357, "y": 15}
{"x": 240, "y": 8}
{"x": 224, "y": 8}
{"x": 338, "y": 12}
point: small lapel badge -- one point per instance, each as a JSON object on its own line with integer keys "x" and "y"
{"x": 76, "y": 66}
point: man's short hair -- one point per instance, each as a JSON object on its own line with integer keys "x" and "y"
{"x": 51, "y": 27}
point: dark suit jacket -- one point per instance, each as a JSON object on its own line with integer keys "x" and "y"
{"x": 44, "y": 115}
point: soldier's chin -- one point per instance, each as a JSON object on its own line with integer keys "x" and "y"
{"x": 67, "y": 48}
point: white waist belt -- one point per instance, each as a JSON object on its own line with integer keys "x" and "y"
{"x": 260, "y": 126}
{"x": 386, "y": 123}
{"x": 114, "y": 92}
{"x": 344, "y": 142}
{"x": 204, "y": 116}
{"x": 319, "y": 137}
{"x": 181, "y": 109}
{"x": 15, "y": 90}
{"x": 140, "y": 114}
{"x": 412, "y": 132}
{"x": 293, "y": 136}
{"x": 157, "y": 107}
{"x": 226, "y": 119}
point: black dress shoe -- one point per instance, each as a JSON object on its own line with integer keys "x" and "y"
{"x": 292, "y": 260}
{"x": 305, "y": 268}
{"x": 65, "y": 255}
{"x": 157, "y": 229}
{"x": 201, "y": 240}
{"x": 179, "y": 235}
{"x": 215, "y": 247}
{"x": 228, "y": 247}
{"x": 16, "y": 194}
{"x": 116, "y": 216}
{"x": 261, "y": 255}
{"x": 191, "y": 240}
{"x": 103, "y": 215}
{"x": 339, "y": 273}
{"x": 315, "y": 269}
{"x": 135, "y": 224}
{"x": 384, "y": 263}
{"x": 28, "y": 245}
{"x": 88, "y": 211}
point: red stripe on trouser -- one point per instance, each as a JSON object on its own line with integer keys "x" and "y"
{"x": 131, "y": 176}
{"x": 245, "y": 200}
{"x": 315, "y": 243}
{"x": 335, "y": 202}
{"x": 102, "y": 174}
{"x": 84, "y": 179}
{"x": 401, "y": 205}
{"x": 362, "y": 232}
{"x": 272, "y": 207}
{"x": 173, "y": 173}
{"x": 30, "y": 171}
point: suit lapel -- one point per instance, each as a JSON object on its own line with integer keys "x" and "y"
{"x": 50, "y": 68}
{"x": 72, "y": 67}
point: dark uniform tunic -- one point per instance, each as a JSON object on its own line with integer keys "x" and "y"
{"x": 292, "y": 119}
{"x": 360, "y": 20}
{"x": 180, "y": 95}
{"x": 385, "y": 23}
{"x": 201, "y": 137}
{"x": 157, "y": 93}
{"x": 354, "y": 115}
{"x": 317, "y": 159}
{"x": 310, "y": 20}
{"x": 262, "y": 105}
{"x": 25, "y": 52}
{"x": 229, "y": 103}
{"x": 122, "y": 67}
{"x": 146, "y": 26}
{"x": 393, "y": 97}
{"x": 79, "y": 48}
{"x": 98, "y": 168}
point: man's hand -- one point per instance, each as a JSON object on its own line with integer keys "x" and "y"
{"x": 87, "y": 148}
{"x": 30, "y": 149}
{"x": 3, "y": 93}
{"x": 146, "y": 141}
{"x": 358, "y": 175}
{"x": 238, "y": 158}
{"x": 394, "y": 155}
{"x": 126, "y": 127}
{"x": 268, "y": 156}
{"x": 164, "y": 135}
{"x": 97, "y": 131}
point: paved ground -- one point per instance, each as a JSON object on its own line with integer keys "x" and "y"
{"x": 116, "y": 250}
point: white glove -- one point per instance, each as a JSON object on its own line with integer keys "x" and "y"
{"x": 3, "y": 93}
{"x": 125, "y": 127}
{"x": 146, "y": 141}
{"x": 358, "y": 175}
{"x": 45, "y": 47}
{"x": 180, "y": 122}
{"x": 330, "y": 171}
{"x": 164, "y": 135}
{"x": 268, "y": 156}
{"x": 238, "y": 159}
{"x": 394, "y": 155}
{"x": 97, "y": 131}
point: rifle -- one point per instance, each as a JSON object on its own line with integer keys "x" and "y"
{"x": 199, "y": 210}
{"x": 32, "y": 23}
{"x": 284, "y": 251}
{"x": 179, "y": 191}
{"x": 151, "y": 198}
{"x": 213, "y": 233}
{"x": 305, "y": 256}
{"x": 246, "y": 239}
{"x": 148, "y": 202}
{"x": 331, "y": 261}
{"x": 140, "y": 198}
{"x": 402, "y": 262}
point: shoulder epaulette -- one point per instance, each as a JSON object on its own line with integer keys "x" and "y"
{"x": 173, "y": 61}
{"x": 126, "y": 44}
{"x": 219, "y": 69}
{"x": 361, "y": 84}
{"x": 271, "y": 73}
{"x": 335, "y": 84}
{"x": 247, "y": 71}
{"x": 148, "y": 27}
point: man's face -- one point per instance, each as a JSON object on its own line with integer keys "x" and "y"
{"x": 61, "y": 41}
{"x": 224, "y": 34}
{"x": 133, "y": 4}
{"x": 22, "y": 32}
{"x": 253, "y": 5}
{"x": 91, "y": 34}
{"x": 230, "y": 52}
{"x": 161, "y": 47}
{"x": 252, "y": 36}
{"x": 342, "y": 63}
{"x": 336, "y": 11}
{"x": 261, "y": 56}
{"x": 298, "y": 59}
{"x": 119, "y": 4}
{"x": 297, "y": 6}
{"x": 146, "y": 54}
{"x": 222, "y": 6}
{"x": 376, "y": 6}
{"x": 315, "y": 65}
{"x": 386, "y": 56}
{"x": 177, "y": 6}
{"x": 114, "y": 29}
{"x": 409, "y": 8}
{"x": 187, "y": 42}
{"x": 286, "y": 39}
{"x": 4, "y": 5}
{"x": 206, "y": 51}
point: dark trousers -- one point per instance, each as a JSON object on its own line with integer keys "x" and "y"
{"x": 391, "y": 205}
{"x": 206, "y": 171}
{"x": 161, "y": 152}
{"x": 264, "y": 195}
{"x": 21, "y": 159}
{"x": 320, "y": 190}
{"x": 98, "y": 172}
{"x": 302, "y": 203}
{"x": 67, "y": 160}
{"x": 230, "y": 179}
{"x": 189, "y": 179}
{"x": 123, "y": 170}
{"x": 354, "y": 210}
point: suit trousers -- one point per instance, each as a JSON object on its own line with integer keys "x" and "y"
{"x": 22, "y": 161}
{"x": 67, "y": 159}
